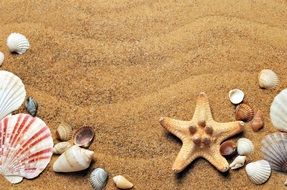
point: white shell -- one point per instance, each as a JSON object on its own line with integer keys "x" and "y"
{"x": 278, "y": 111}
{"x": 122, "y": 183}
{"x": 236, "y": 96}
{"x": 17, "y": 43}
{"x": 74, "y": 159}
{"x": 12, "y": 93}
{"x": 244, "y": 146}
{"x": 1, "y": 58}
{"x": 98, "y": 178}
{"x": 238, "y": 162}
{"x": 61, "y": 147}
{"x": 268, "y": 79}
{"x": 259, "y": 171}
{"x": 274, "y": 149}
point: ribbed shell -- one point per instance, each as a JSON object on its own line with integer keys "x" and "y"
{"x": 18, "y": 43}
{"x": 1, "y": 58}
{"x": 258, "y": 172}
{"x": 31, "y": 106}
{"x": 64, "y": 132}
{"x": 278, "y": 111}
{"x": 268, "y": 79}
{"x": 274, "y": 149}
{"x": 244, "y": 146}
{"x": 244, "y": 112}
{"x": 26, "y": 146}
{"x": 98, "y": 178}
{"x": 12, "y": 93}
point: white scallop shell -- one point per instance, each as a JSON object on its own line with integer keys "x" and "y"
{"x": 12, "y": 93}
{"x": 122, "y": 183}
{"x": 244, "y": 146}
{"x": 278, "y": 111}
{"x": 238, "y": 162}
{"x": 25, "y": 148}
{"x": 61, "y": 147}
{"x": 1, "y": 58}
{"x": 236, "y": 96}
{"x": 258, "y": 172}
{"x": 74, "y": 159}
{"x": 17, "y": 43}
{"x": 268, "y": 79}
{"x": 274, "y": 149}
{"x": 98, "y": 178}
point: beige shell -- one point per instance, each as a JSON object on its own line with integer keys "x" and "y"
{"x": 238, "y": 162}
{"x": 61, "y": 147}
{"x": 74, "y": 159}
{"x": 122, "y": 183}
{"x": 236, "y": 96}
{"x": 258, "y": 172}
{"x": 244, "y": 112}
{"x": 244, "y": 146}
{"x": 1, "y": 58}
{"x": 278, "y": 111}
{"x": 227, "y": 148}
{"x": 64, "y": 132}
{"x": 268, "y": 79}
{"x": 257, "y": 123}
{"x": 84, "y": 136}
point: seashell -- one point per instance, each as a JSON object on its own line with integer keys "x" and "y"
{"x": 122, "y": 183}
{"x": 64, "y": 132}
{"x": 74, "y": 159}
{"x": 1, "y": 58}
{"x": 244, "y": 146}
{"x": 278, "y": 111}
{"x": 17, "y": 43}
{"x": 258, "y": 172}
{"x": 227, "y": 148}
{"x": 12, "y": 93}
{"x": 274, "y": 149}
{"x": 257, "y": 123}
{"x": 98, "y": 178}
{"x": 84, "y": 136}
{"x": 244, "y": 112}
{"x": 61, "y": 147}
{"x": 26, "y": 147}
{"x": 238, "y": 162}
{"x": 31, "y": 106}
{"x": 268, "y": 79}
{"x": 236, "y": 96}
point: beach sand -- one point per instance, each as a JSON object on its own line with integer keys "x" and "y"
{"x": 119, "y": 65}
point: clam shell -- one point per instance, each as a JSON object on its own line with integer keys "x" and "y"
{"x": 64, "y": 132}
{"x": 122, "y": 183}
{"x": 84, "y": 136}
{"x": 98, "y": 178}
{"x": 236, "y": 96}
{"x": 274, "y": 149}
{"x": 61, "y": 147}
{"x": 244, "y": 146}
{"x": 18, "y": 43}
{"x": 257, "y": 123}
{"x": 31, "y": 106}
{"x": 238, "y": 162}
{"x": 268, "y": 79}
{"x": 258, "y": 172}
{"x": 74, "y": 159}
{"x": 278, "y": 111}
{"x": 227, "y": 148}
{"x": 26, "y": 147}
{"x": 1, "y": 58}
{"x": 244, "y": 112}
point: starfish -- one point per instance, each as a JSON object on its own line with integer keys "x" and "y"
{"x": 201, "y": 136}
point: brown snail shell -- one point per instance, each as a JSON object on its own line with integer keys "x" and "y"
{"x": 64, "y": 132}
{"x": 244, "y": 112}
{"x": 227, "y": 148}
{"x": 84, "y": 136}
{"x": 258, "y": 122}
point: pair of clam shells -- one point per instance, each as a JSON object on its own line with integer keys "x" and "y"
{"x": 258, "y": 172}
{"x": 268, "y": 79}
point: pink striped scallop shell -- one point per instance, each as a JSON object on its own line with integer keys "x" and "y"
{"x": 26, "y": 147}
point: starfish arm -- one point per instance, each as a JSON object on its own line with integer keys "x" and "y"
{"x": 177, "y": 127}
{"x": 215, "y": 158}
{"x": 202, "y": 109}
{"x": 226, "y": 130}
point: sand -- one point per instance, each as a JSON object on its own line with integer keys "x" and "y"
{"x": 119, "y": 65}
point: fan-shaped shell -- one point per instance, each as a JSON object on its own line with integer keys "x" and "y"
{"x": 18, "y": 43}
{"x": 227, "y": 148}
{"x": 244, "y": 112}
{"x": 278, "y": 111}
{"x": 31, "y": 106}
{"x": 238, "y": 162}
{"x": 268, "y": 79}
{"x": 64, "y": 132}
{"x": 84, "y": 136}
{"x": 98, "y": 178}
{"x": 1, "y": 58}
{"x": 244, "y": 146}
{"x": 258, "y": 172}
{"x": 122, "y": 183}
{"x": 12, "y": 93}
{"x": 257, "y": 123}
{"x": 236, "y": 96}
{"x": 26, "y": 147}
{"x": 274, "y": 149}
{"x": 61, "y": 147}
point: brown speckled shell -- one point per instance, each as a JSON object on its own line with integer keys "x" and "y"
{"x": 244, "y": 112}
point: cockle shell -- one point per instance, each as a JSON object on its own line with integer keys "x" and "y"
{"x": 74, "y": 159}
{"x": 258, "y": 172}
{"x": 238, "y": 162}
{"x": 257, "y": 123}
{"x": 122, "y": 183}
{"x": 1, "y": 58}
{"x": 31, "y": 106}
{"x": 274, "y": 149}
{"x": 64, "y": 132}
{"x": 236, "y": 96}
{"x": 244, "y": 112}
{"x": 18, "y": 43}
{"x": 98, "y": 178}
{"x": 26, "y": 146}
{"x": 61, "y": 147}
{"x": 227, "y": 148}
{"x": 244, "y": 146}
{"x": 84, "y": 136}
{"x": 268, "y": 79}
{"x": 12, "y": 93}
{"x": 278, "y": 111}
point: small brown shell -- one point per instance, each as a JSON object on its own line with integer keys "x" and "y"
{"x": 64, "y": 132}
{"x": 227, "y": 148}
{"x": 84, "y": 136}
{"x": 258, "y": 122}
{"x": 244, "y": 112}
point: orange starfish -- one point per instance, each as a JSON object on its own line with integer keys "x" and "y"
{"x": 201, "y": 137}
